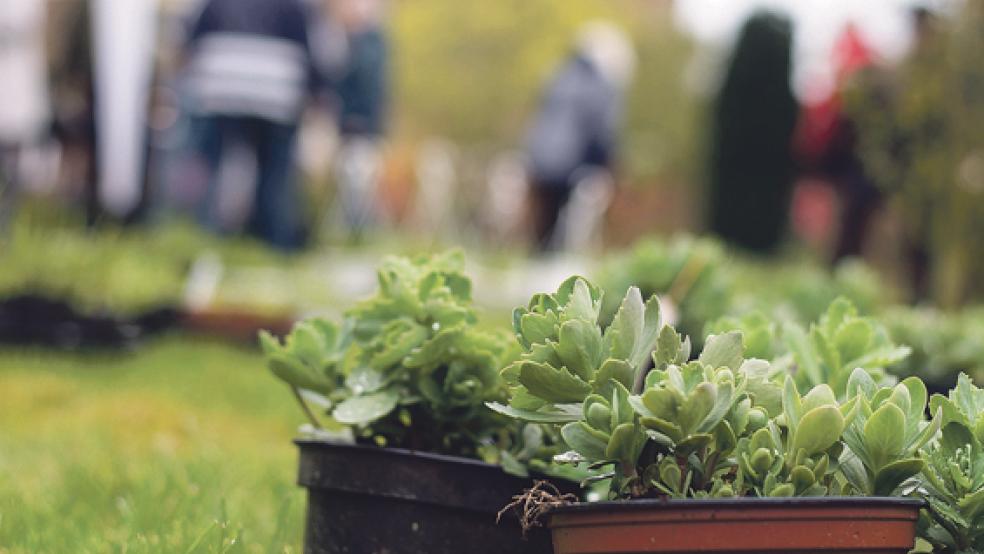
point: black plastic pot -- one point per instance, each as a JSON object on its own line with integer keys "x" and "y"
{"x": 368, "y": 500}
{"x": 39, "y": 320}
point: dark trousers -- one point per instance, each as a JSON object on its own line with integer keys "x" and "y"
{"x": 548, "y": 199}
{"x": 275, "y": 214}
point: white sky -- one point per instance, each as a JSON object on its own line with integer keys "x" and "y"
{"x": 884, "y": 24}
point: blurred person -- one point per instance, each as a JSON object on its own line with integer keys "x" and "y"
{"x": 827, "y": 142}
{"x": 24, "y": 116}
{"x": 73, "y": 100}
{"x": 250, "y": 73}
{"x": 751, "y": 165}
{"x": 574, "y": 133}
{"x": 362, "y": 97}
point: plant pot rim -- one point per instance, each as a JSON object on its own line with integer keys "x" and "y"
{"x": 704, "y": 503}
{"x": 312, "y": 443}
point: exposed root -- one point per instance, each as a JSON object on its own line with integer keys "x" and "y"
{"x": 530, "y": 505}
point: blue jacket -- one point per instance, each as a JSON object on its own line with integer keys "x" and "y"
{"x": 575, "y": 126}
{"x": 362, "y": 87}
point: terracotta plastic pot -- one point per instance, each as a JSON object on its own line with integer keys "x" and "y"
{"x": 235, "y": 324}
{"x": 741, "y": 526}
{"x": 367, "y": 500}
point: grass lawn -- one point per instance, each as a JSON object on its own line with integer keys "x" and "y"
{"x": 183, "y": 446}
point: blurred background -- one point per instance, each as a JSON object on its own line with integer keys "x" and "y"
{"x": 177, "y": 174}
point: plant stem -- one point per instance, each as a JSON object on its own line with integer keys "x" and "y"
{"x": 306, "y": 409}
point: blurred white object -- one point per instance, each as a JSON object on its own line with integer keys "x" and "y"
{"x": 23, "y": 72}
{"x": 609, "y": 50}
{"x": 357, "y": 172}
{"x": 203, "y": 281}
{"x": 124, "y": 37}
{"x": 508, "y": 189}
{"x": 436, "y": 182}
{"x": 583, "y": 217}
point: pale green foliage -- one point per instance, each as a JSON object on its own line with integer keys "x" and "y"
{"x": 887, "y": 430}
{"x": 799, "y": 459}
{"x": 723, "y": 425}
{"x": 406, "y": 367}
{"x": 839, "y": 343}
{"x": 954, "y": 473}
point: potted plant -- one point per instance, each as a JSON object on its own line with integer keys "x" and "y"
{"x": 398, "y": 462}
{"x": 953, "y": 479}
{"x": 716, "y": 453}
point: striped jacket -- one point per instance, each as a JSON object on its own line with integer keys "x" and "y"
{"x": 251, "y": 58}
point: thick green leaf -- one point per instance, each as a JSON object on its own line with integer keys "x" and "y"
{"x": 889, "y": 477}
{"x": 538, "y": 327}
{"x": 723, "y": 350}
{"x": 723, "y": 402}
{"x": 884, "y": 435}
{"x": 269, "y": 343}
{"x": 622, "y": 333}
{"x": 364, "y": 379}
{"x": 802, "y": 478}
{"x": 294, "y": 373}
{"x": 663, "y": 403}
{"x": 625, "y": 444}
{"x": 306, "y": 343}
{"x": 853, "y": 337}
{"x": 792, "y": 406}
{"x": 818, "y": 430}
{"x": 598, "y": 415}
{"x": 820, "y": 395}
{"x": 860, "y": 383}
{"x": 552, "y": 384}
{"x": 622, "y": 411}
{"x": 585, "y": 441}
{"x": 697, "y": 406}
{"x": 612, "y": 369}
{"x": 955, "y": 436}
{"x": 558, "y": 413}
{"x": 580, "y": 347}
{"x": 670, "y": 429}
{"x": 584, "y": 303}
{"x": 881, "y": 357}
{"x": 917, "y": 399}
{"x": 798, "y": 344}
{"x": 668, "y": 348}
{"x": 829, "y": 356}
{"x": 360, "y": 410}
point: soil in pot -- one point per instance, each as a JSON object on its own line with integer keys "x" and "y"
{"x": 845, "y": 525}
{"x": 368, "y": 500}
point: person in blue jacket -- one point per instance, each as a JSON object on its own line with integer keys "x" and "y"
{"x": 575, "y": 131}
{"x": 362, "y": 101}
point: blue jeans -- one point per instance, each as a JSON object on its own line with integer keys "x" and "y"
{"x": 275, "y": 216}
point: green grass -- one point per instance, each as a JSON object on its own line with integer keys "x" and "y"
{"x": 183, "y": 446}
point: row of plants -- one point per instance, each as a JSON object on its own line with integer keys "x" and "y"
{"x": 417, "y": 410}
{"x": 699, "y": 281}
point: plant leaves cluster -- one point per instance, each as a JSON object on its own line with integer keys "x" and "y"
{"x": 407, "y": 367}
{"x": 641, "y": 411}
{"x": 953, "y": 479}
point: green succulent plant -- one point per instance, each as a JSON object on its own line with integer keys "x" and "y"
{"x": 953, "y": 481}
{"x": 407, "y": 367}
{"x": 838, "y": 344}
{"x": 800, "y": 457}
{"x": 668, "y": 429}
{"x": 758, "y": 333}
{"x": 721, "y": 425}
{"x": 887, "y": 430}
{"x": 567, "y": 357}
